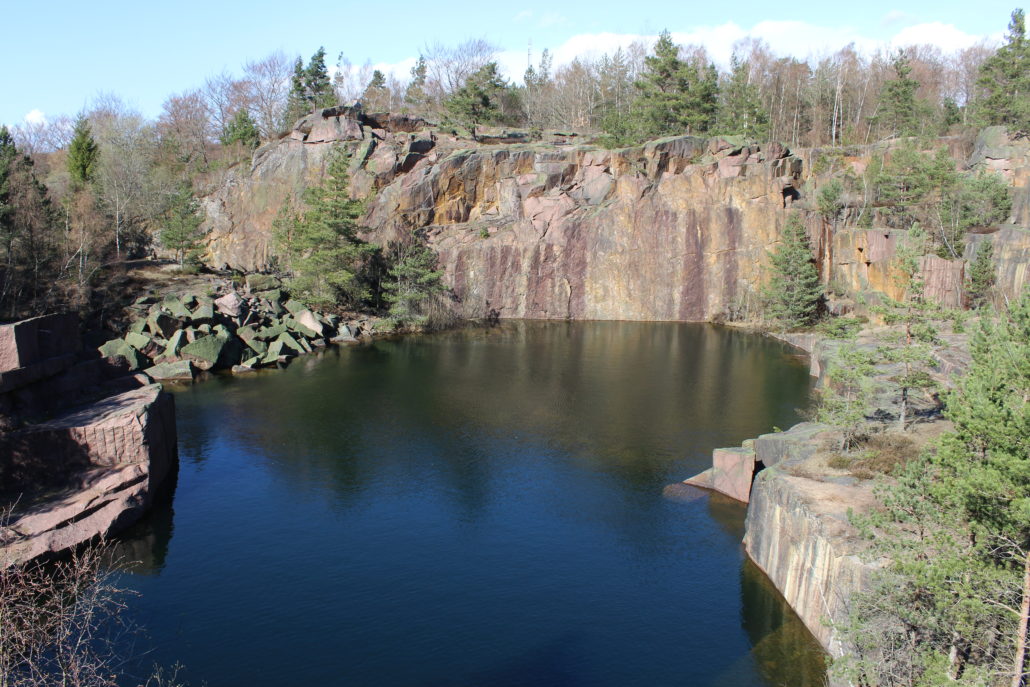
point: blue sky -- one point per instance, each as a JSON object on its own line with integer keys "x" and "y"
{"x": 58, "y": 56}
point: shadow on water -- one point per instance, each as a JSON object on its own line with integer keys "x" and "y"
{"x": 474, "y": 507}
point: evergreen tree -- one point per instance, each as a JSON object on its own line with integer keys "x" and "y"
{"x": 479, "y": 100}
{"x": 310, "y": 87}
{"x": 911, "y": 346}
{"x": 793, "y": 294}
{"x": 180, "y": 228}
{"x": 950, "y": 606}
{"x": 8, "y": 154}
{"x": 321, "y": 246}
{"x": 981, "y": 276}
{"x": 674, "y": 96}
{"x": 83, "y": 154}
{"x": 318, "y": 85}
{"x": 296, "y": 101}
{"x": 241, "y": 129}
{"x": 741, "y": 112}
{"x": 376, "y": 95}
{"x": 1005, "y": 80}
{"x": 415, "y": 95}
{"x": 844, "y": 399}
{"x": 899, "y": 113}
{"x": 412, "y": 284}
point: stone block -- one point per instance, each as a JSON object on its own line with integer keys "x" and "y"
{"x": 174, "y": 370}
{"x": 262, "y": 282}
{"x": 33, "y": 340}
{"x": 733, "y": 469}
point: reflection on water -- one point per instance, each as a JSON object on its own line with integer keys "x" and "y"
{"x": 477, "y": 507}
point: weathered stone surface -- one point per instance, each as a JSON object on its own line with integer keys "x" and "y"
{"x": 230, "y": 304}
{"x": 30, "y": 341}
{"x": 797, "y": 532}
{"x": 135, "y": 426}
{"x": 677, "y": 229}
{"x": 118, "y": 450}
{"x": 262, "y": 282}
{"x": 175, "y": 370}
{"x": 205, "y": 351}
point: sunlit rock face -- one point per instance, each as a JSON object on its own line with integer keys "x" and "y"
{"x": 676, "y": 229}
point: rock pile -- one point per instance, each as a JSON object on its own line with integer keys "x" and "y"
{"x": 175, "y": 337}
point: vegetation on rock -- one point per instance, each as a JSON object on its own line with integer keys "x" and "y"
{"x": 320, "y": 245}
{"x": 950, "y": 606}
{"x": 794, "y": 291}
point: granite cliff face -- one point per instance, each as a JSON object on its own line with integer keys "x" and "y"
{"x": 677, "y": 229}
{"x": 674, "y": 230}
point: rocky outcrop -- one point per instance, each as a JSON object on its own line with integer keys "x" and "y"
{"x": 797, "y": 532}
{"x": 88, "y": 444}
{"x": 175, "y": 337}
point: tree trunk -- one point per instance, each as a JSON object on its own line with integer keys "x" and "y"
{"x": 1024, "y": 613}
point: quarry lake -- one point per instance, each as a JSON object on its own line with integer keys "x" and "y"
{"x": 480, "y": 507}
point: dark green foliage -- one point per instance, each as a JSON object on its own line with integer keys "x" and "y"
{"x": 310, "y": 87}
{"x": 910, "y": 345}
{"x": 908, "y": 183}
{"x": 479, "y": 100}
{"x": 415, "y": 96}
{"x": 955, "y": 532}
{"x": 830, "y": 200}
{"x": 741, "y": 112}
{"x": 981, "y": 276}
{"x": 1005, "y": 80}
{"x": 376, "y": 95}
{"x": 83, "y": 154}
{"x": 899, "y": 113}
{"x": 412, "y": 285}
{"x": 844, "y": 399}
{"x": 320, "y": 246}
{"x": 241, "y": 129}
{"x": 29, "y": 233}
{"x": 674, "y": 96}
{"x": 180, "y": 227}
{"x": 793, "y": 294}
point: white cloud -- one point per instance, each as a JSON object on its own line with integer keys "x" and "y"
{"x": 896, "y": 17}
{"x": 35, "y": 117}
{"x": 945, "y": 36}
{"x": 785, "y": 38}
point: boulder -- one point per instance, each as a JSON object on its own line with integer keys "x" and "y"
{"x": 138, "y": 341}
{"x": 174, "y": 370}
{"x": 205, "y": 351}
{"x": 162, "y": 324}
{"x": 230, "y": 304}
{"x": 262, "y": 282}
{"x": 204, "y": 313}
{"x": 308, "y": 319}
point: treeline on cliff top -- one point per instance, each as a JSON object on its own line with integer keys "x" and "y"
{"x": 76, "y": 195}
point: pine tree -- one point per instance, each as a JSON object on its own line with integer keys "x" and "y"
{"x": 415, "y": 95}
{"x": 794, "y": 292}
{"x": 844, "y": 399}
{"x": 297, "y": 100}
{"x": 911, "y": 346}
{"x": 376, "y": 95}
{"x": 83, "y": 154}
{"x": 321, "y": 246}
{"x": 412, "y": 284}
{"x": 1005, "y": 80}
{"x": 478, "y": 100}
{"x": 899, "y": 113}
{"x": 950, "y": 606}
{"x": 741, "y": 112}
{"x": 180, "y": 228}
{"x": 241, "y": 129}
{"x": 310, "y": 87}
{"x": 674, "y": 96}
{"x": 317, "y": 82}
{"x": 981, "y": 276}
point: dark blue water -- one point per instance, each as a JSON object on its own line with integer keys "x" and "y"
{"x": 480, "y": 507}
